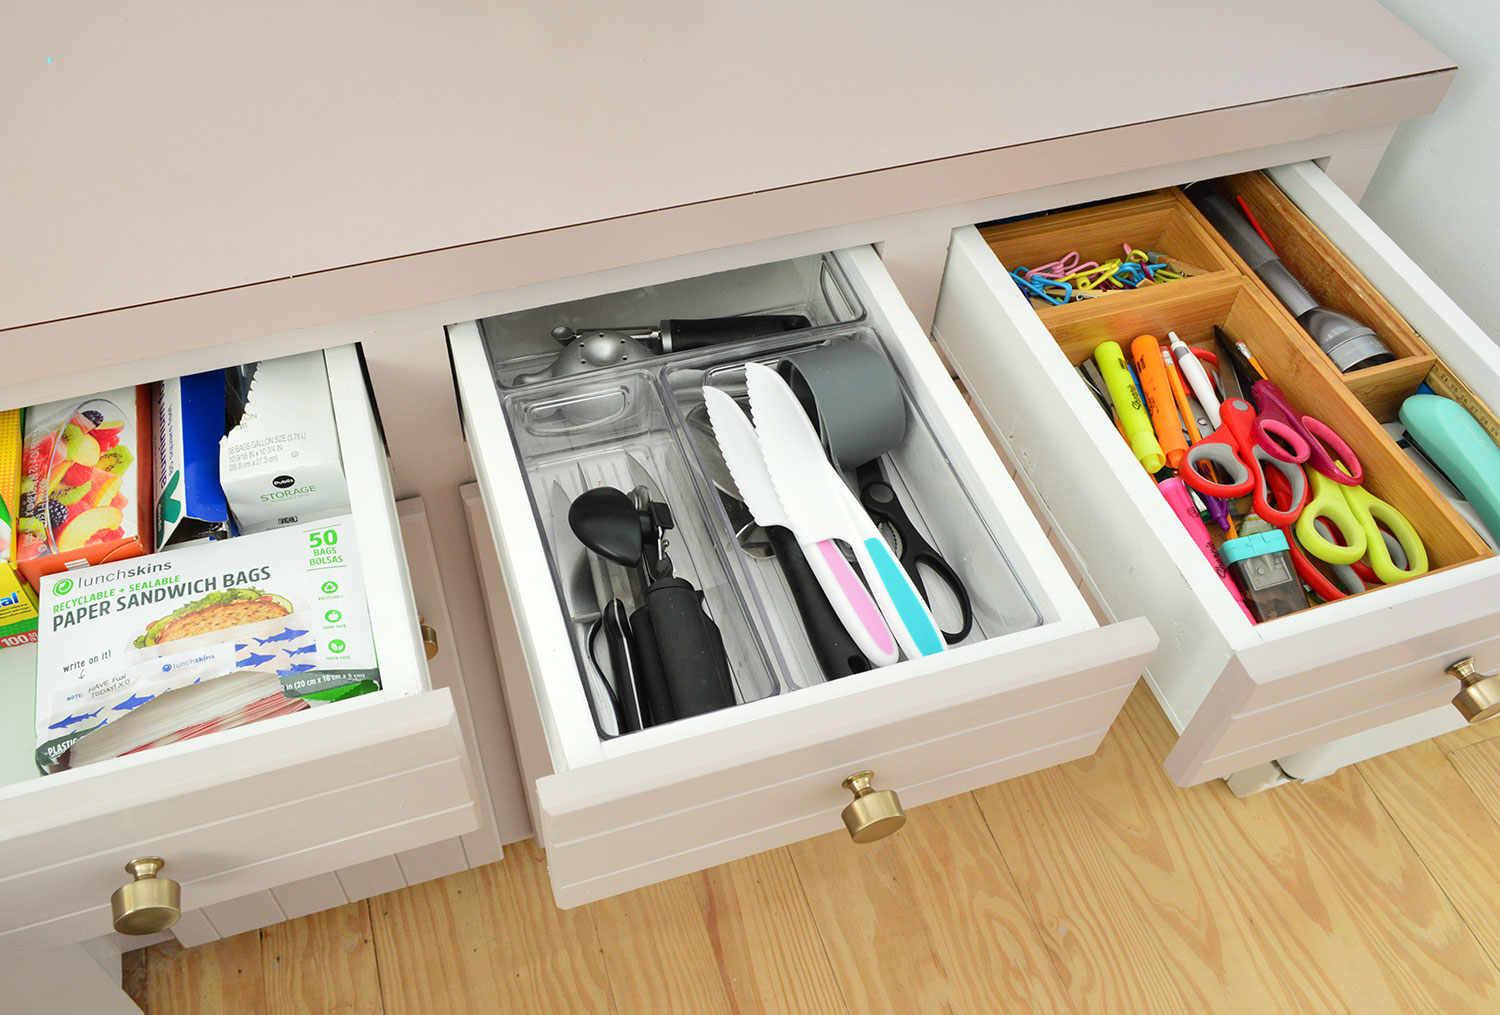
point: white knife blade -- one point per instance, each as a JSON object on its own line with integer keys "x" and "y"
{"x": 822, "y": 509}
{"x": 743, "y": 454}
{"x": 740, "y": 447}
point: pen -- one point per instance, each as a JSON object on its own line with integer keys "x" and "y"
{"x": 1180, "y": 396}
{"x": 1196, "y": 378}
{"x": 1217, "y": 509}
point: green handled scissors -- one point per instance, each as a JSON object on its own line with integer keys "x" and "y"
{"x": 1358, "y": 515}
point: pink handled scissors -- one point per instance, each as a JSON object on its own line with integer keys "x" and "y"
{"x": 1301, "y": 438}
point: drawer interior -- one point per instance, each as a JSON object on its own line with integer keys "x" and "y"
{"x": 1164, "y": 224}
{"x": 1354, "y": 405}
{"x": 524, "y": 344}
{"x": 646, "y": 422}
{"x": 392, "y": 616}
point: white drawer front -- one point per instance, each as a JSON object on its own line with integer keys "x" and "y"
{"x": 681, "y": 797}
{"x": 1241, "y": 694}
{"x": 259, "y": 806}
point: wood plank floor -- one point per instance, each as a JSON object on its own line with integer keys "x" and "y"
{"x": 1094, "y": 887}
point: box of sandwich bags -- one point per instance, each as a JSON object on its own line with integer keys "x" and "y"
{"x": 161, "y": 648}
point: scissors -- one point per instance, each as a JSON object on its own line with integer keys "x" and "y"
{"x": 1244, "y": 458}
{"x": 1354, "y": 578}
{"x": 1277, "y": 418}
{"x": 1358, "y": 515}
{"x": 878, "y": 498}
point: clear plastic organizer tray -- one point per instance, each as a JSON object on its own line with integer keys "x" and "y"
{"x": 648, "y": 425}
{"x": 613, "y": 428}
{"x": 926, "y": 487}
{"x": 522, "y": 345}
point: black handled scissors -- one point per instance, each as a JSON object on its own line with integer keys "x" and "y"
{"x": 879, "y": 499}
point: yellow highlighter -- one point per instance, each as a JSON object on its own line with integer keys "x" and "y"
{"x": 1137, "y": 424}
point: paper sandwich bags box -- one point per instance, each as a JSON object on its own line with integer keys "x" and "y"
{"x": 157, "y": 649}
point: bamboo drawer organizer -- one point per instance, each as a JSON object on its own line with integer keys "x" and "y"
{"x": 1225, "y": 292}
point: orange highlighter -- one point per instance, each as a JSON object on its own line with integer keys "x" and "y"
{"x": 1146, "y": 352}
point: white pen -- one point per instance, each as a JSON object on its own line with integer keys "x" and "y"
{"x": 1196, "y": 378}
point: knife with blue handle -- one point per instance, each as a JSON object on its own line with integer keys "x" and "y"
{"x": 1458, "y": 445}
{"x": 821, "y": 509}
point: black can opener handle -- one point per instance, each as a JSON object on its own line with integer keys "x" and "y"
{"x": 694, "y": 664}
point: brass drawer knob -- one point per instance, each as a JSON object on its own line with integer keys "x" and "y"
{"x": 429, "y": 638}
{"x": 148, "y": 904}
{"x": 1479, "y": 699}
{"x": 873, "y": 813}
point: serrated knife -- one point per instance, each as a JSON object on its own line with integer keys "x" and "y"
{"x": 838, "y": 639}
{"x": 822, "y": 509}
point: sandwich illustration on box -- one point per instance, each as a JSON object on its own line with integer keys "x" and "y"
{"x": 216, "y": 611}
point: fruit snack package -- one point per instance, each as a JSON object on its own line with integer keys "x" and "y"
{"x": 188, "y": 420}
{"x": 17, "y": 601}
{"x": 85, "y": 482}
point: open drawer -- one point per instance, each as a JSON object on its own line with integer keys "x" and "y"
{"x": 619, "y": 812}
{"x": 1242, "y": 693}
{"x": 246, "y": 809}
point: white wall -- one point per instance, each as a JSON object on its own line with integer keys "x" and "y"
{"x": 1437, "y": 192}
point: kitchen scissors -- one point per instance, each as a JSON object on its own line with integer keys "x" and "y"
{"x": 1350, "y": 578}
{"x": 879, "y": 500}
{"x": 1244, "y": 458}
{"x": 1358, "y": 516}
{"x": 1311, "y": 438}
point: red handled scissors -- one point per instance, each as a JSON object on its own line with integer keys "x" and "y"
{"x": 1239, "y": 448}
{"x": 1314, "y": 438}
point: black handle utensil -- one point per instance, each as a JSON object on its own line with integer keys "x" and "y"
{"x": 835, "y": 650}
{"x": 683, "y": 666}
{"x": 624, "y": 666}
{"x": 586, "y": 349}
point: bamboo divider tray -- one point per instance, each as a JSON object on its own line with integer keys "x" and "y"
{"x": 1335, "y": 282}
{"x": 1164, "y": 221}
{"x": 1309, "y": 380}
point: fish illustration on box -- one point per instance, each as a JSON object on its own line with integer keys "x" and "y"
{"x": 134, "y": 701}
{"x": 74, "y": 720}
{"x": 287, "y": 635}
{"x": 254, "y": 660}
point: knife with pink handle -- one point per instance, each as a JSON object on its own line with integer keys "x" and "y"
{"x": 851, "y": 602}
{"x": 821, "y": 509}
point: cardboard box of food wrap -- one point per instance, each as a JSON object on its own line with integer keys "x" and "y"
{"x": 17, "y": 600}
{"x": 188, "y": 424}
{"x": 133, "y": 652}
{"x": 280, "y": 463}
{"x": 85, "y": 482}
